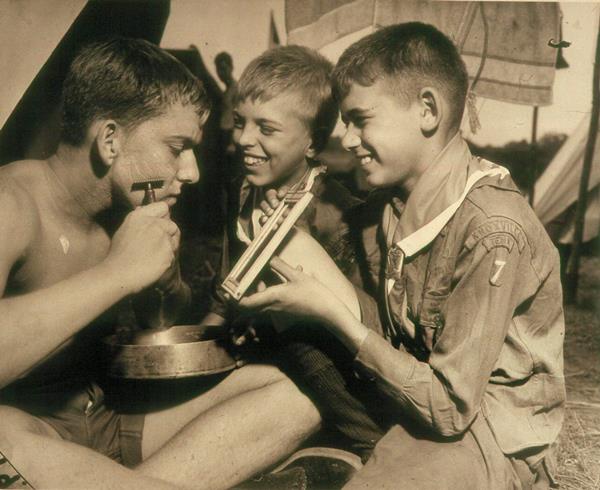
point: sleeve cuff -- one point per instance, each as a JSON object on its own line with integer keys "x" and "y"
{"x": 377, "y": 359}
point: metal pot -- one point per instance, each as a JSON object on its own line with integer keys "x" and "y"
{"x": 177, "y": 352}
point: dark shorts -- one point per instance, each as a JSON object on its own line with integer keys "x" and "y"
{"x": 83, "y": 418}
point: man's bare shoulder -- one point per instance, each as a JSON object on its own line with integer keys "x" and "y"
{"x": 19, "y": 211}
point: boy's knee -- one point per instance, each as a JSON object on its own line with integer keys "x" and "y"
{"x": 303, "y": 250}
{"x": 256, "y": 376}
{"x": 278, "y": 393}
{"x": 296, "y": 404}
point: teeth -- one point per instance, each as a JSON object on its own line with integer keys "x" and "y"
{"x": 248, "y": 160}
{"x": 366, "y": 160}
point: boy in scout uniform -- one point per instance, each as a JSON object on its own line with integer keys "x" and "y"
{"x": 471, "y": 362}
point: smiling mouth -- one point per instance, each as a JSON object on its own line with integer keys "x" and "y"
{"x": 252, "y": 161}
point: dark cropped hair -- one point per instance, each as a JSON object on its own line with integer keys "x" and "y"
{"x": 295, "y": 70}
{"x": 410, "y": 56}
{"x": 128, "y": 80}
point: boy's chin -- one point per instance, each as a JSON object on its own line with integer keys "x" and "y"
{"x": 375, "y": 180}
{"x": 124, "y": 201}
{"x": 260, "y": 180}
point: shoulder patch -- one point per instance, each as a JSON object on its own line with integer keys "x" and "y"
{"x": 500, "y": 239}
{"x": 498, "y": 232}
{"x": 501, "y": 258}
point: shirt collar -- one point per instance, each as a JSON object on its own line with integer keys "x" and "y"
{"x": 440, "y": 185}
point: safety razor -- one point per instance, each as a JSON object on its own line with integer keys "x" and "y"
{"x": 148, "y": 187}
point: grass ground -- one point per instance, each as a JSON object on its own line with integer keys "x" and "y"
{"x": 579, "y": 443}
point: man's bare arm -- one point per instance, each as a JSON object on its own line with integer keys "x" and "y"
{"x": 34, "y": 325}
{"x": 163, "y": 303}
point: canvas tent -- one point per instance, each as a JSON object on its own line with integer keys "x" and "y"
{"x": 31, "y": 46}
{"x": 39, "y": 38}
{"x": 556, "y": 190}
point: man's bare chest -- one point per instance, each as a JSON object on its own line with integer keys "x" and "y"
{"x": 61, "y": 249}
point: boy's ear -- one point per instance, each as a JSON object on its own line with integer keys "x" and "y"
{"x": 430, "y": 109}
{"x": 311, "y": 150}
{"x": 108, "y": 141}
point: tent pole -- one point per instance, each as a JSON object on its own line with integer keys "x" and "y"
{"x": 572, "y": 275}
{"x": 533, "y": 171}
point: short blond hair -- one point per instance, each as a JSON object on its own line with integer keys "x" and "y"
{"x": 294, "y": 70}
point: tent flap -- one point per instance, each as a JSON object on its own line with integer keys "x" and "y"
{"x": 29, "y": 32}
{"x": 557, "y": 189}
{"x": 315, "y": 24}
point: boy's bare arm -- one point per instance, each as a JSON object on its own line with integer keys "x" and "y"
{"x": 303, "y": 296}
{"x": 217, "y": 311}
{"x": 315, "y": 290}
{"x": 35, "y": 324}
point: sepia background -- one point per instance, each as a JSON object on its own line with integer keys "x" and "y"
{"x": 543, "y": 147}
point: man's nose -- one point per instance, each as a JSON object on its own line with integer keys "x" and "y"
{"x": 188, "y": 171}
{"x": 351, "y": 139}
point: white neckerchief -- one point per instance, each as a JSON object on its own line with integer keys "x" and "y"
{"x": 418, "y": 240}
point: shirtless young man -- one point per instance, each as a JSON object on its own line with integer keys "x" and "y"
{"x": 131, "y": 113}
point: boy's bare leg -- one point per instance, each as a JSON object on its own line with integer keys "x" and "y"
{"x": 236, "y": 429}
{"x": 252, "y": 419}
{"x": 162, "y": 425}
{"x": 303, "y": 250}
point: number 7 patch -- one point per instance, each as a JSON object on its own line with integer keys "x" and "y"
{"x": 501, "y": 244}
{"x": 499, "y": 264}
{"x": 497, "y": 272}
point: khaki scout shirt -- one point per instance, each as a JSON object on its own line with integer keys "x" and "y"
{"x": 479, "y": 313}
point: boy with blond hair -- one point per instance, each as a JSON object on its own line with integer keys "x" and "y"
{"x": 284, "y": 115}
{"x": 471, "y": 358}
